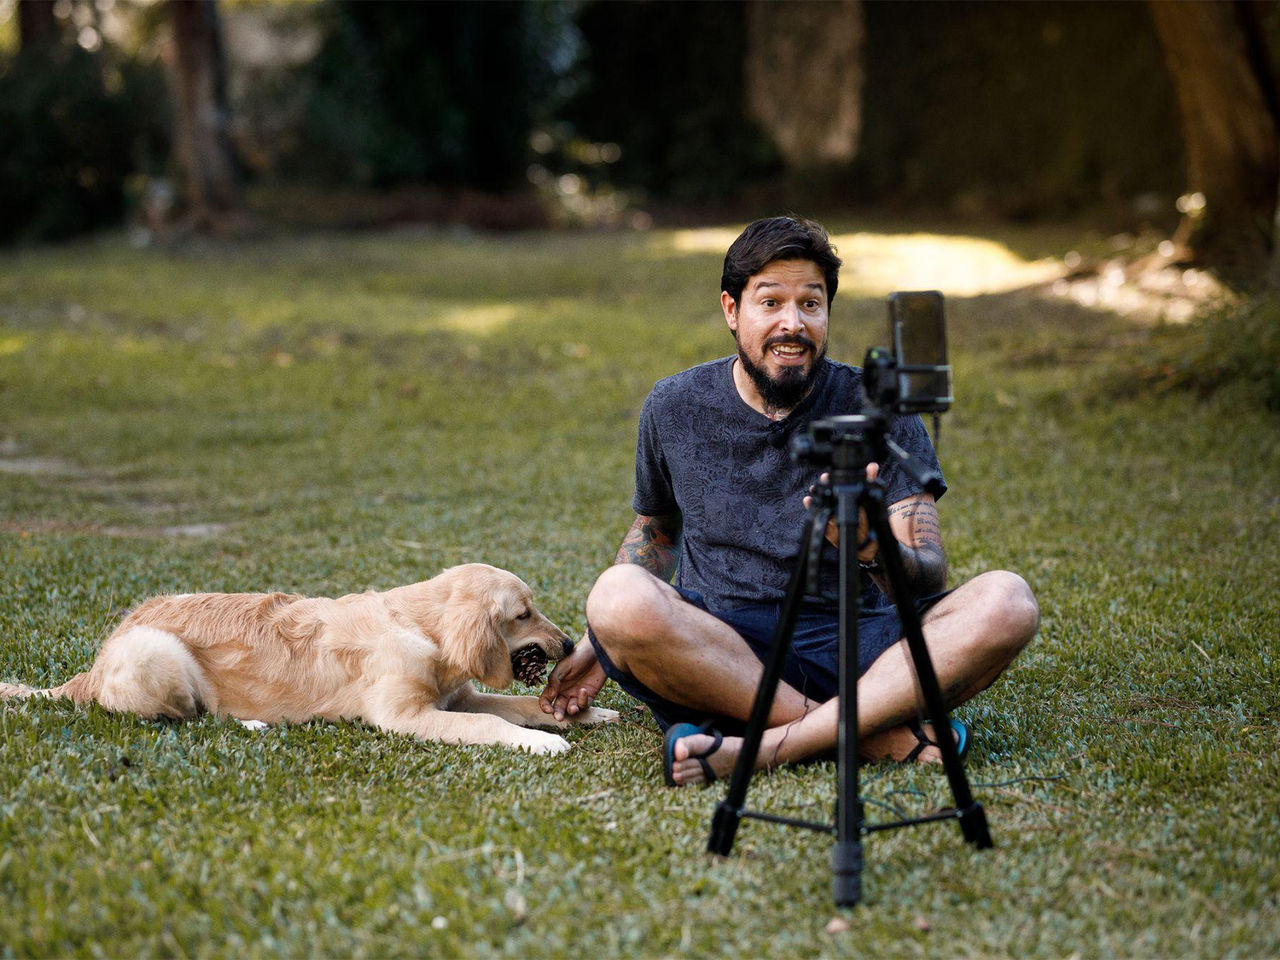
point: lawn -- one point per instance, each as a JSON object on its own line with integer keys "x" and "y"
{"x": 333, "y": 413}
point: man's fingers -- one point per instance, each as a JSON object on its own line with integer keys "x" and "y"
{"x": 550, "y": 693}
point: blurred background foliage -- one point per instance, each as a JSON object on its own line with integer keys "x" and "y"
{"x": 1011, "y": 109}
{"x": 1031, "y": 111}
{"x": 230, "y": 116}
{"x": 79, "y": 125}
{"x": 446, "y": 96}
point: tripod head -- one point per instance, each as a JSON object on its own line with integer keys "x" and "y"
{"x": 845, "y": 445}
{"x": 914, "y": 378}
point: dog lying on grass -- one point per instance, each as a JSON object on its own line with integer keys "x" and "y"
{"x": 401, "y": 659}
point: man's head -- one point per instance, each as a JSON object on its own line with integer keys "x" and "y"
{"x": 779, "y": 278}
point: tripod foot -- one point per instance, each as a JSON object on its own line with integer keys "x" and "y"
{"x": 846, "y": 866}
{"x": 973, "y": 824}
{"x": 724, "y": 827}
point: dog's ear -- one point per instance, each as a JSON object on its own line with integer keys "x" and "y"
{"x": 472, "y": 642}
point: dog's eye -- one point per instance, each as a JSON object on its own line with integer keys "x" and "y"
{"x": 525, "y": 616}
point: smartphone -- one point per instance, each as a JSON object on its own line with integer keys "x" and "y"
{"x": 918, "y": 332}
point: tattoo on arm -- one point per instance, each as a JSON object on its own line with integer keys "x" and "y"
{"x": 653, "y": 543}
{"x": 919, "y": 534}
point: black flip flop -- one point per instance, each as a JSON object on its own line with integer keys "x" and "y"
{"x": 678, "y": 731}
{"x": 962, "y": 740}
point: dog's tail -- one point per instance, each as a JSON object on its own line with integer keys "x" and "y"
{"x": 79, "y": 688}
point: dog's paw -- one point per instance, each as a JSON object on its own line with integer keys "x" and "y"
{"x": 545, "y": 744}
{"x": 253, "y": 724}
{"x": 594, "y": 715}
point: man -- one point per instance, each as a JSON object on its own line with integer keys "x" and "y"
{"x": 720, "y": 505}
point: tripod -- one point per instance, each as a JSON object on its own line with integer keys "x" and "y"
{"x": 845, "y": 445}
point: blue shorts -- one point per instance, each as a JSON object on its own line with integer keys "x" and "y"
{"x": 813, "y": 661}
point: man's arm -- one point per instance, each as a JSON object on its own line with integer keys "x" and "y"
{"x": 652, "y": 543}
{"x": 915, "y": 525}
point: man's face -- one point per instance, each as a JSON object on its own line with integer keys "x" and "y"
{"x": 780, "y": 323}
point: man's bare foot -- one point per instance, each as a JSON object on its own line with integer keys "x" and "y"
{"x": 687, "y": 770}
{"x": 689, "y": 753}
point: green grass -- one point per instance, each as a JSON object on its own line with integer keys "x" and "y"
{"x": 334, "y": 413}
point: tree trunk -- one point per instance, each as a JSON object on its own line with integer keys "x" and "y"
{"x": 201, "y": 118}
{"x": 1216, "y": 56}
{"x": 804, "y": 78}
{"x": 37, "y": 25}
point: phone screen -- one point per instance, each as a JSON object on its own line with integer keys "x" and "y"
{"x": 917, "y": 328}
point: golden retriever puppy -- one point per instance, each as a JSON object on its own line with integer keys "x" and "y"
{"x": 402, "y": 660}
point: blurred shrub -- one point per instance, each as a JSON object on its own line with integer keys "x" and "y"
{"x": 440, "y": 92}
{"x": 664, "y": 81}
{"x": 75, "y": 127}
{"x": 1235, "y": 350}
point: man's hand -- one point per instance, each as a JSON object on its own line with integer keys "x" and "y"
{"x": 867, "y": 553}
{"x": 574, "y": 683}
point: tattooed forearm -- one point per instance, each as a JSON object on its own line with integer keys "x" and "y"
{"x": 652, "y": 543}
{"x": 918, "y": 519}
{"x": 919, "y": 535}
{"x": 926, "y": 568}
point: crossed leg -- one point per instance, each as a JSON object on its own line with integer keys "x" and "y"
{"x": 688, "y": 656}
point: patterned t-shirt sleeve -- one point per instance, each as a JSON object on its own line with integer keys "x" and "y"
{"x": 909, "y": 432}
{"x": 654, "y": 496}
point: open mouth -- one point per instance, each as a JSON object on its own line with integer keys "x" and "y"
{"x": 789, "y": 352}
{"x": 528, "y": 664}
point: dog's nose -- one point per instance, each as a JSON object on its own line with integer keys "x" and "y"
{"x": 568, "y": 646}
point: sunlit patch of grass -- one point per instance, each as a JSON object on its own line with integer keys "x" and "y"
{"x": 453, "y": 398}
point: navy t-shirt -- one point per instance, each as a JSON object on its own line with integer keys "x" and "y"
{"x": 727, "y": 469}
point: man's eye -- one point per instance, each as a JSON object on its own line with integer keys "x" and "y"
{"x": 771, "y": 303}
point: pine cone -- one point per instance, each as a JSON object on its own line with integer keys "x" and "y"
{"x": 527, "y": 664}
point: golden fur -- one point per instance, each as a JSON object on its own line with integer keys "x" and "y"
{"x": 401, "y": 659}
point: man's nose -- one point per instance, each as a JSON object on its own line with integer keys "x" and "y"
{"x": 792, "y": 320}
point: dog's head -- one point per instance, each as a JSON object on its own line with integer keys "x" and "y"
{"x": 491, "y": 629}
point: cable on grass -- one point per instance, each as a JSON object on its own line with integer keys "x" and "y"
{"x": 1009, "y": 783}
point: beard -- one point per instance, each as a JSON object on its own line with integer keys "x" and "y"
{"x": 790, "y": 385}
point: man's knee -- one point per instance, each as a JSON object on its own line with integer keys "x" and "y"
{"x": 626, "y": 608}
{"x": 1010, "y": 609}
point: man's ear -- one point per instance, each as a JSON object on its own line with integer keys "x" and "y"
{"x": 730, "y": 308}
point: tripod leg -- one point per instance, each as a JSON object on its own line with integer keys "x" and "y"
{"x": 724, "y": 823}
{"x": 846, "y": 855}
{"x": 973, "y": 821}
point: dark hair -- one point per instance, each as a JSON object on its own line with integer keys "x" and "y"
{"x": 778, "y": 238}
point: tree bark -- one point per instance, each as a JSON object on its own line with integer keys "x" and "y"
{"x": 201, "y": 118}
{"x": 1217, "y": 60}
{"x": 804, "y": 78}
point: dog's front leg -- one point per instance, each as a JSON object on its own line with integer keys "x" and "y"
{"x": 524, "y": 710}
{"x": 398, "y": 705}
